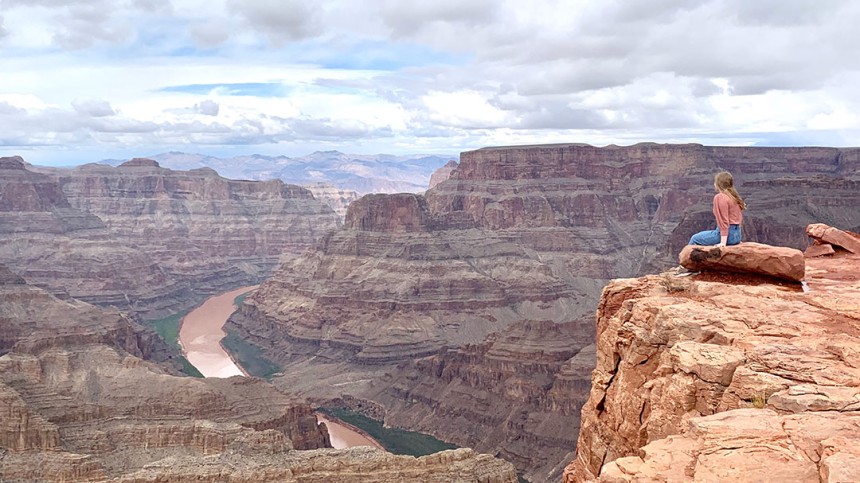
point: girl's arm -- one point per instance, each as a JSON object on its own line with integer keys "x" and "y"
{"x": 721, "y": 213}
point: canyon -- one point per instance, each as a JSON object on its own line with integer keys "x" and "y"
{"x": 87, "y": 395}
{"x": 148, "y": 239}
{"x": 467, "y": 312}
{"x": 335, "y": 178}
{"x": 726, "y": 378}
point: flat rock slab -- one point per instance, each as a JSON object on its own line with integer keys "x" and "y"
{"x": 834, "y": 236}
{"x": 756, "y": 258}
{"x": 819, "y": 250}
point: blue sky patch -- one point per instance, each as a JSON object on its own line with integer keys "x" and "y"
{"x": 254, "y": 89}
{"x": 376, "y": 55}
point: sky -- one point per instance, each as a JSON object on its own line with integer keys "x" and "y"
{"x": 84, "y": 80}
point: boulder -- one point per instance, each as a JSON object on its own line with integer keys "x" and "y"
{"x": 756, "y": 258}
{"x": 834, "y": 236}
{"x": 819, "y": 250}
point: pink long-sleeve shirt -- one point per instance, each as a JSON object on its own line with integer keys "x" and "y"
{"x": 727, "y": 212}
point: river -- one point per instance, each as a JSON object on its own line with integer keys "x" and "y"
{"x": 200, "y": 335}
{"x": 201, "y": 331}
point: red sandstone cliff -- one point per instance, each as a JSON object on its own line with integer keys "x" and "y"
{"x": 517, "y": 238}
{"x": 726, "y": 378}
{"x": 146, "y": 238}
{"x": 443, "y": 173}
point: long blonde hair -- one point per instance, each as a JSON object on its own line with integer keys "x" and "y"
{"x": 726, "y": 184}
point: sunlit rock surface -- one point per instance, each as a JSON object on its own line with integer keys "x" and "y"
{"x": 726, "y": 378}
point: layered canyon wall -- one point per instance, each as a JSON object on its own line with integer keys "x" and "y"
{"x": 81, "y": 402}
{"x": 435, "y": 306}
{"x": 149, "y": 239}
{"x": 338, "y": 199}
{"x": 722, "y": 378}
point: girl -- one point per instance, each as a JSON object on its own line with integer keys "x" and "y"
{"x": 728, "y": 210}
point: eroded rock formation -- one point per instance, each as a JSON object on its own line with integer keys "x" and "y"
{"x": 338, "y": 199}
{"x": 80, "y": 403}
{"x": 443, "y": 173}
{"x": 834, "y": 237}
{"x": 516, "y": 238}
{"x": 726, "y": 378}
{"x": 145, "y": 238}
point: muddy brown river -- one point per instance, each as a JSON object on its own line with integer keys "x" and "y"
{"x": 202, "y": 330}
{"x": 200, "y": 337}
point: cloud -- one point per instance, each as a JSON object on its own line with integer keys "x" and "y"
{"x": 280, "y": 20}
{"x": 435, "y": 75}
{"x": 24, "y": 123}
{"x": 409, "y": 19}
{"x": 81, "y": 26}
{"x": 8, "y": 109}
{"x": 210, "y": 34}
{"x": 207, "y": 108}
{"x": 3, "y": 31}
{"x": 154, "y": 6}
{"x": 93, "y": 108}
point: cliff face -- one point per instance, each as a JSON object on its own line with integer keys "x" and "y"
{"x": 70, "y": 391}
{"x": 393, "y": 285}
{"x": 517, "y": 238}
{"x": 146, "y": 238}
{"x": 726, "y": 378}
{"x": 443, "y": 173}
{"x": 338, "y": 199}
{"x": 517, "y": 394}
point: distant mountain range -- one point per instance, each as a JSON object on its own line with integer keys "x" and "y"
{"x": 371, "y": 173}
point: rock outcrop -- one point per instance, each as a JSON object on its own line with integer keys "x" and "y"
{"x": 517, "y": 237}
{"x": 145, "y": 238}
{"x": 443, "y": 173}
{"x": 80, "y": 403}
{"x": 834, "y": 236}
{"x": 354, "y": 464}
{"x": 750, "y": 445}
{"x": 726, "y": 380}
{"x": 818, "y": 250}
{"x": 756, "y": 258}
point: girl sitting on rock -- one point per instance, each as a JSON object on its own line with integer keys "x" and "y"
{"x": 728, "y": 210}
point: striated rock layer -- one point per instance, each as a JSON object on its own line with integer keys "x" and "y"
{"x": 515, "y": 239}
{"x": 146, "y": 238}
{"x": 338, "y": 199}
{"x": 80, "y": 403}
{"x": 518, "y": 394}
{"x": 726, "y": 378}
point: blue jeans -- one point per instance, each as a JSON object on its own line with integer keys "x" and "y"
{"x": 712, "y": 237}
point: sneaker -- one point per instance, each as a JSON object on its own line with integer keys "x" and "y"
{"x": 683, "y": 272}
